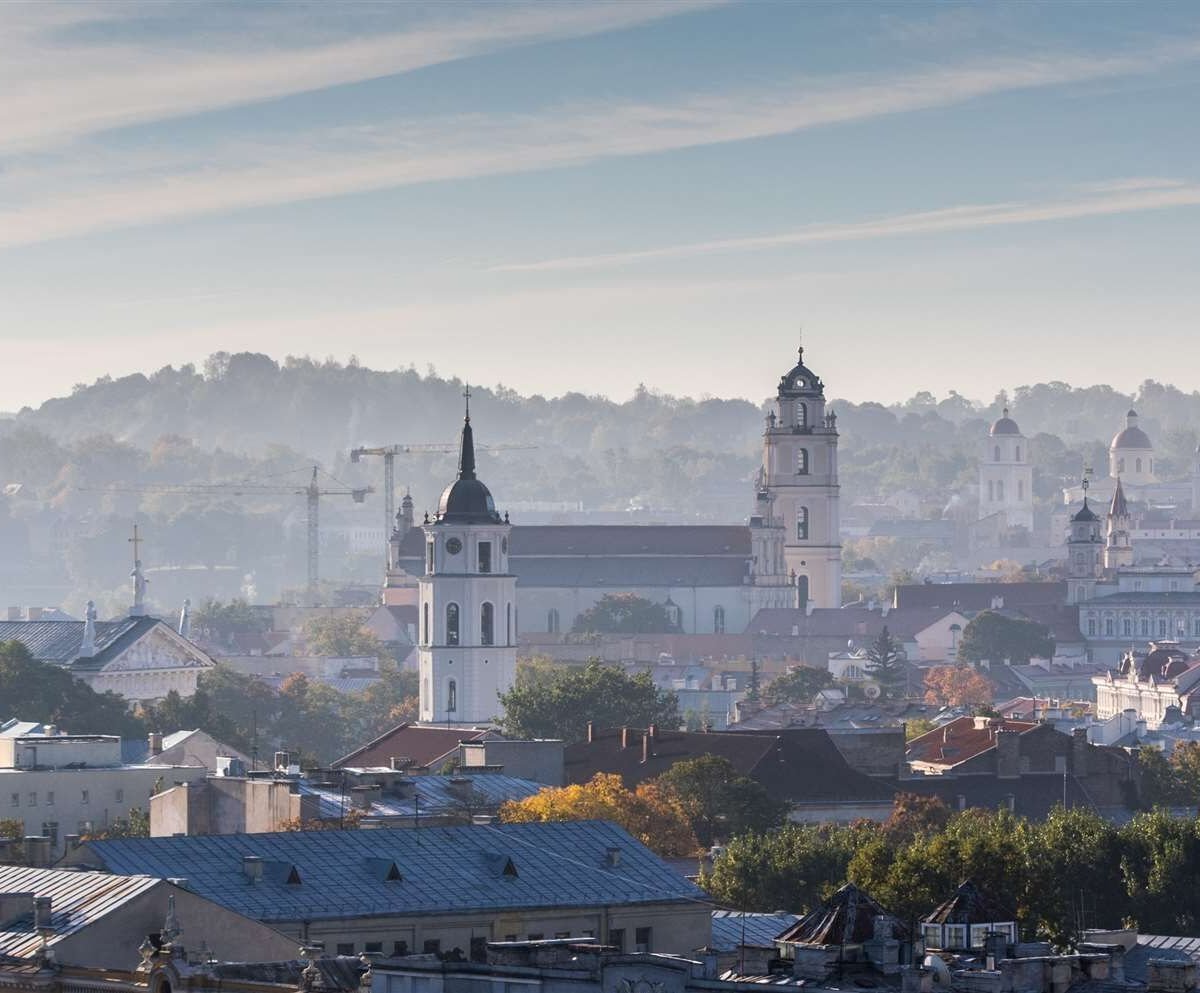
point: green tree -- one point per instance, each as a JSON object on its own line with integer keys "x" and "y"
{"x": 1185, "y": 765}
{"x": 1160, "y": 783}
{"x": 887, "y": 665}
{"x": 558, "y": 702}
{"x": 625, "y": 613}
{"x": 798, "y": 685}
{"x": 1160, "y": 864}
{"x": 993, "y": 637}
{"x": 220, "y": 621}
{"x": 719, "y": 802}
{"x": 341, "y": 635}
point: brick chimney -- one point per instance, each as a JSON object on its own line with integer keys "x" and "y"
{"x": 1080, "y": 751}
{"x": 1008, "y": 753}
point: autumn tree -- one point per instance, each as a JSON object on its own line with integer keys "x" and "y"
{"x": 720, "y": 803}
{"x": 650, "y": 813}
{"x": 558, "y": 701}
{"x": 887, "y": 665}
{"x": 914, "y": 814}
{"x": 957, "y": 686}
{"x": 625, "y": 613}
{"x": 993, "y": 637}
{"x": 798, "y": 685}
{"x": 341, "y": 635}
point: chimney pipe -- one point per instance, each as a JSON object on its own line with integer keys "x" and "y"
{"x": 646, "y": 747}
{"x": 42, "y": 911}
{"x": 624, "y": 737}
{"x": 591, "y": 732}
{"x": 252, "y": 867}
{"x": 156, "y": 742}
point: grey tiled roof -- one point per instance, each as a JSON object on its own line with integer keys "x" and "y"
{"x": 79, "y": 899}
{"x": 443, "y": 869}
{"x": 58, "y": 642}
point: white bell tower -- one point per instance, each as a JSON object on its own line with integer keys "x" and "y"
{"x": 467, "y": 654}
{"x": 800, "y": 475}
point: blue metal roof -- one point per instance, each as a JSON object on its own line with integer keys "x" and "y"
{"x": 442, "y": 870}
{"x": 437, "y": 795}
{"x": 760, "y": 930}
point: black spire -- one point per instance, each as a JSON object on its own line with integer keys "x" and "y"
{"x": 466, "y": 451}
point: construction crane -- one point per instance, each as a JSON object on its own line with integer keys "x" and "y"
{"x": 312, "y": 494}
{"x": 389, "y": 453}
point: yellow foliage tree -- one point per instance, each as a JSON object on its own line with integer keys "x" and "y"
{"x": 649, "y": 813}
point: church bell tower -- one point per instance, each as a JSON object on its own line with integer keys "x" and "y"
{"x": 800, "y": 476}
{"x": 467, "y": 655}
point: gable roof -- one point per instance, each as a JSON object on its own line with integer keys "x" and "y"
{"x": 424, "y": 745}
{"x": 79, "y": 899}
{"x": 802, "y": 765}
{"x": 58, "y": 642}
{"x": 443, "y": 869}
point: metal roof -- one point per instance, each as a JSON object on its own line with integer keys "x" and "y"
{"x": 442, "y": 869}
{"x": 58, "y": 642}
{"x": 731, "y": 929}
{"x": 79, "y": 899}
{"x": 437, "y": 795}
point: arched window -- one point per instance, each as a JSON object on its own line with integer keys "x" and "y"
{"x": 802, "y": 462}
{"x": 552, "y": 621}
{"x": 991, "y": 491}
{"x": 487, "y": 624}
{"x": 802, "y": 524}
{"x": 1127, "y": 627}
{"x": 1120, "y": 465}
{"x": 452, "y": 624}
{"x": 802, "y": 415}
{"x": 996, "y": 456}
{"x": 451, "y": 696}
{"x": 1018, "y": 455}
{"x": 425, "y": 624}
{"x": 718, "y": 620}
{"x": 1108, "y": 627}
{"x": 955, "y": 635}
{"x": 1020, "y": 489}
{"x": 1137, "y": 466}
{"x": 508, "y": 623}
{"x": 1000, "y": 491}
{"x": 1151, "y": 466}
{"x": 802, "y": 591}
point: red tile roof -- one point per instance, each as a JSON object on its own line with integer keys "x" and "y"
{"x": 961, "y": 739}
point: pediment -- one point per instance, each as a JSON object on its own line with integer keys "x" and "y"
{"x": 159, "y": 648}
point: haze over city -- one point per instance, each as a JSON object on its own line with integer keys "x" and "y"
{"x": 945, "y": 196}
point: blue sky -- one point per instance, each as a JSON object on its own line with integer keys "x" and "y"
{"x": 587, "y": 196}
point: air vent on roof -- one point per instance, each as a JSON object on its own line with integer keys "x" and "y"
{"x": 500, "y": 865}
{"x": 384, "y": 870}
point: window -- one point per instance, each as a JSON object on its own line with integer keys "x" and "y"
{"x": 487, "y": 624}
{"x": 562, "y": 934}
{"x": 1137, "y": 465}
{"x": 479, "y": 948}
{"x": 452, "y": 624}
{"x": 50, "y": 798}
{"x": 451, "y": 696}
{"x": 802, "y": 462}
{"x": 429, "y": 556}
{"x": 399, "y": 948}
{"x": 643, "y": 939}
{"x": 1108, "y": 627}
{"x": 718, "y": 620}
{"x": 345, "y": 948}
{"x": 1020, "y": 489}
{"x": 996, "y": 454}
{"x": 802, "y": 524}
{"x": 1120, "y": 465}
{"x": 802, "y": 415}
{"x": 1127, "y": 627}
{"x": 1000, "y": 491}
{"x": 802, "y": 590}
{"x": 84, "y": 797}
{"x": 432, "y": 946}
{"x": 32, "y": 800}
{"x": 1092, "y": 627}
{"x": 508, "y": 623}
{"x": 485, "y": 556}
{"x": 956, "y": 936}
{"x": 1018, "y": 455}
{"x": 1195, "y": 631}
{"x": 425, "y": 623}
{"x": 16, "y": 799}
{"x": 1145, "y": 627}
{"x": 373, "y": 946}
{"x": 50, "y": 830}
{"x": 1162, "y": 627}
{"x": 552, "y": 621}
{"x": 991, "y": 491}
{"x": 616, "y": 938}
{"x": 120, "y": 796}
{"x": 534, "y": 936}
{"x": 932, "y": 934}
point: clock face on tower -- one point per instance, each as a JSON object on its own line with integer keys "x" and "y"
{"x": 453, "y": 546}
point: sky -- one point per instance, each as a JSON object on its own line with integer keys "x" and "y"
{"x": 589, "y": 196}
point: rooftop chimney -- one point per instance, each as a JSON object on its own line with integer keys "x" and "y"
{"x": 252, "y": 867}
{"x": 155, "y": 739}
{"x": 624, "y": 737}
{"x": 43, "y": 912}
{"x": 646, "y": 738}
{"x": 612, "y": 857}
{"x": 591, "y": 732}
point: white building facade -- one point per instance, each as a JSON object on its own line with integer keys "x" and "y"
{"x": 467, "y": 653}
{"x": 1006, "y": 475}
{"x": 800, "y": 473}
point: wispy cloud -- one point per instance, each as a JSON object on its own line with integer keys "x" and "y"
{"x": 1121, "y": 198}
{"x": 58, "y": 87}
{"x": 154, "y": 187}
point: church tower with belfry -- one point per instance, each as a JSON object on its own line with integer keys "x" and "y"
{"x": 467, "y": 651}
{"x": 800, "y": 478}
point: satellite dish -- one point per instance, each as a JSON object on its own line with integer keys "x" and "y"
{"x": 941, "y": 972}
{"x": 871, "y": 691}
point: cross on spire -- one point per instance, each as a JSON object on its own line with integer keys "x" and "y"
{"x": 135, "y": 541}
{"x": 467, "y": 397}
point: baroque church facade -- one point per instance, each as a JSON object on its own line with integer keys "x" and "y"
{"x": 712, "y": 578}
